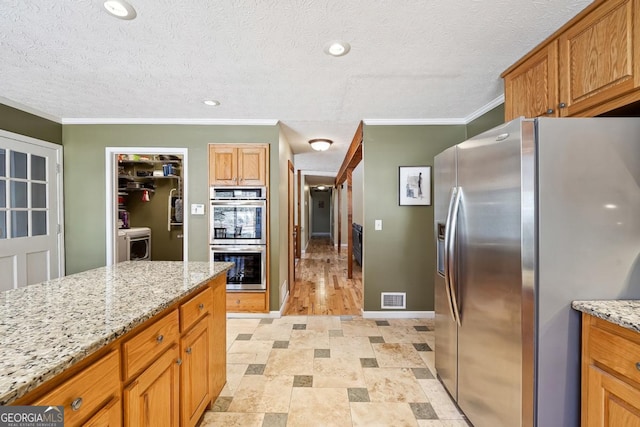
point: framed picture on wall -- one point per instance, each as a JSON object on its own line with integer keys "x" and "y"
{"x": 415, "y": 186}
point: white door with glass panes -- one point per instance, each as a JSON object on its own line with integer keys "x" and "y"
{"x": 30, "y": 211}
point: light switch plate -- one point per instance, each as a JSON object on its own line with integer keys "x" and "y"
{"x": 378, "y": 224}
{"x": 197, "y": 209}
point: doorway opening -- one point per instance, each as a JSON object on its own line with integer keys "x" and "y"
{"x": 146, "y": 196}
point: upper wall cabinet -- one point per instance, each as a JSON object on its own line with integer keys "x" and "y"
{"x": 238, "y": 164}
{"x": 588, "y": 67}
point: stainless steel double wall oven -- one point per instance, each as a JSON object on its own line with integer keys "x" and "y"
{"x": 238, "y": 234}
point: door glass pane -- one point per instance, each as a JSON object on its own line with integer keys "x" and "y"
{"x": 3, "y": 167}
{"x": 38, "y": 168}
{"x": 3, "y": 225}
{"x": 38, "y": 195}
{"x": 20, "y": 224}
{"x": 18, "y": 195}
{"x": 3, "y": 193}
{"x": 39, "y": 223}
{"x": 18, "y": 165}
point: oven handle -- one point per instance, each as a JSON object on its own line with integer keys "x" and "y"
{"x": 256, "y": 248}
{"x": 257, "y": 202}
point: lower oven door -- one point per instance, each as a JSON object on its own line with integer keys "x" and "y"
{"x": 249, "y": 270}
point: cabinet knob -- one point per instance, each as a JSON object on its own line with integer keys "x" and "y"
{"x": 159, "y": 339}
{"x": 550, "y": 111}
{"x": 76, "y": 404}
{"x": 179, "y": 361}
{"x": 201, "y": 306}
{"x": 638, "y": 366}
{"x": 188, "y": 350}
{"x": 562, "y": 105}
{"x": 238, "y": 302}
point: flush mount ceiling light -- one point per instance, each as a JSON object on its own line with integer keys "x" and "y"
{"x": 337, "y": 48}
{"x": 320, "y": 144}
{"x": 320, "y": 187}
{"x": 120, "y": 9}
{"x": 211, "y": 102}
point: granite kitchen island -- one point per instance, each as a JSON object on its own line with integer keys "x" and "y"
{"x": 115, "y": 324}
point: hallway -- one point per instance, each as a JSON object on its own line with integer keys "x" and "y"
{"x": 321, "y": 285}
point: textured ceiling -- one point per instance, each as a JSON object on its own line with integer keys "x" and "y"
{"x": 264, "y": 59}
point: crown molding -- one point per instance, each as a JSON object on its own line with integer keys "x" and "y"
{"x": 412, "y": 122}
{"x": 167, "y": 121}
{"x": 485, "y": 109}
{"x": 30, "y": 110}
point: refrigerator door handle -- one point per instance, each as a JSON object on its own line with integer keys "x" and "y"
{"x": 447, "y": 259}
{"x": 452, "y": 261}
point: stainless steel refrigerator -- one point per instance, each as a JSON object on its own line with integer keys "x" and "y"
{"x": 530, "y": 216}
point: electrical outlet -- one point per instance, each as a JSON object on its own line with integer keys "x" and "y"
{"x": 378, "y": 224}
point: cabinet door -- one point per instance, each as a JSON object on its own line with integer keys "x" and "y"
{"x": 531, "y": 90}
{"x": 252, "y": 163}
{"x": 153, "y": 398}
{"x": 599, "y": 56}
{"x": 219, "y": 336}
{"x": 195, "y": 393}
{"x": 610, "y": 402}
{"x": 223, "y": 165}
{"x": 109, "y": 416}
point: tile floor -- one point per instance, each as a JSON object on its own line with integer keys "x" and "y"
{"x": 331, "y": 371}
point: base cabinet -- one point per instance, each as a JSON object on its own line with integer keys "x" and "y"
{"x": 610, "y": 374}
{"x": 195, "y": 384}
{"x": 109, "y": 416}
{"x": 251, "y": 302}
{"x": 153, "y": 397}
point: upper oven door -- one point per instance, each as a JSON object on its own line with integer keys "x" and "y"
{"x": 238, "y": 222}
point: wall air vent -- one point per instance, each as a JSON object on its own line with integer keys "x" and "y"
{"x": 391, "y": 300}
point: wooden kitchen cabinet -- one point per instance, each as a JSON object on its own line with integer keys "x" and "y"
{"x": 109, "y": 416}
{"x": 588, "y": 67}
{"x": 610, "y": 374}
{"x": 238, "y": 164}
{"x": 251, "y": 302}
{"x": 152, "y": 399}
{"x": 531, "y": 89}
{"x": 218, "y": 340}
{"x": 80, "y": 396}
{"x": 195, "y": 385}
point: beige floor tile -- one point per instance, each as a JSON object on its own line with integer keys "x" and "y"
{"x": 430, "y": 423}
{"x": 263, "y": 393}
{"x": 397, "y": 355}
{"x": 393, "y": 385}
{"x": 273, "y": 332}
{"x": 323, "y": 323}
{"x": 309, "y": 339}
{"x": 235, "y": 372}
{"x": 382, "y": 415}
{"x": 440, "y": 400}
{"x": 290, "y": 362}
{"x": 351, "y": 346}
{"x": 412, "y": 322}
{"x": 319, "y": 407}
{"x": 287, "y": 320}
{"x": 338, "y": 372}
{"x": 227, "y": 419}
{"x": 401, "y": 334}
{"x": 360, "y": 328}
{"x": 442, "y": 423}
{"x": 429, "y": 358}
{"x": 251, "y": 351}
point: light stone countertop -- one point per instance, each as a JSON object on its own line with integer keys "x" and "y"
{"x": 625, "y": 313}
{"x": 47, "y": 327}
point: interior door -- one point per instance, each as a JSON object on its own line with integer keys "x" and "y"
{"x": 30, "y": 212}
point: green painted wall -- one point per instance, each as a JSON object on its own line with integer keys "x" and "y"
{"x": 18, "y": 121}
{"x": 399, "y": 257}
{"x": 84, "y": 182}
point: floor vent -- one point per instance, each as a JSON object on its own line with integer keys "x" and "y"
{"x": 393, "y": 300}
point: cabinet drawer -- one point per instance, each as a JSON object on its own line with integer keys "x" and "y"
{"x": 246, "y": 301}
{"x": 87, "y": 391}
{"x": 195, "y": 308}
{"x": 615, "y": 352}
{"x": 142, "y": 349}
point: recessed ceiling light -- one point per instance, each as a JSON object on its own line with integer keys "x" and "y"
{"x": 337, "y": 48}
{"x": 120, "y": 9}
{"x": 212, "y": 102}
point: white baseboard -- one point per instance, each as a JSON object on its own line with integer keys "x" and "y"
{"x": 398, "y": 314}
{"x": 343, "y": 245}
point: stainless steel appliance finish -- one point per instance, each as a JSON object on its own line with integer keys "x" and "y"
{"x": 237, "y": 193}
{"x": 249, "y": 271}
{"x": 241, "y": 222}
{"x": 530, "y": 216}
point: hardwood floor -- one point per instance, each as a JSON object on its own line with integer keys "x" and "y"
{"x": 321, "y": 285}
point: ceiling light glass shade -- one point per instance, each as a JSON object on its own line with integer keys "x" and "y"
{"x": 212, "y": 102}
{"x": 321, "y": 187}
{"x": 337, "y": 48}
{"x": 320, "y": 144}
{"x": 120, "y": 9}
